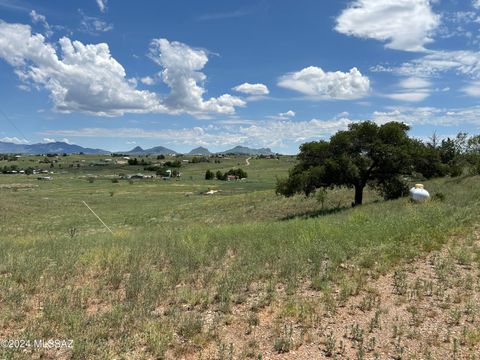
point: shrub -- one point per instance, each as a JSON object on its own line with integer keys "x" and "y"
{"x": 175, "y": 163}
{"x": 238, "y": 173}
{"x": 394, "y": 188}
{"x": 220, "y": 176}
{"x": 456, "y": 171}
{"x": 162, "y": 172}
{"x": 209, "y": 175}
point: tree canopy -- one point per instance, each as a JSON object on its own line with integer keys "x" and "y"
{"x": 364, "y": 154}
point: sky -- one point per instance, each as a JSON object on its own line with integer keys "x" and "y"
{"x": 116, "y": 74}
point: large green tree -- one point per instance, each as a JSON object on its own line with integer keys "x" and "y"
{"x": 364, "y": 154}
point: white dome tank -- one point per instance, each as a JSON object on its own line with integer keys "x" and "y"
{"x": 418, "y": 193}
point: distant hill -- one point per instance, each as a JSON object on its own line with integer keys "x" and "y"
{"x": 199, "y": 151}
{"x": 62, "y": 147}
{"x": 157, "y": 150}
{"x": 243, "y": 150}
{"x": 57, "y": 147}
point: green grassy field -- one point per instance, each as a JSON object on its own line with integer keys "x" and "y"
{"x": 177, "y": 255}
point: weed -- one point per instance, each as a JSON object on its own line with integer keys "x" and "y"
{"x": 330, "y": 345}
{"x": 400, "y": 282}
{"x": 283, "y": 343}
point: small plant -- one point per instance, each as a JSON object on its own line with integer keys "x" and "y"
{"x": 114, "y": 180}
{"x": 416, "y": 319}
{"x": 190, "y": 325}
{"x": 91, "y": 179}
{"x": 368, "y": 302}
{"x": 224, "y": 352}
{"x": 252, "y": 319}
{"x": 399, "y": 349}
{"x": 360, "y": 353}
{"x": 321, "y": 196}
{"x": 111, "y": 193}
{"x": 455, "y": 348}
{"x": 372, "y": 342}
{"x": 357, "y": 333}
{"x": 330, "y": 345}
{"x": 454, "y": 316}
{"x": 283, "y": 343}
{"x": 375, "y": 322}
{"x": 400, "y": 282}
{"x": 72, "y": 232}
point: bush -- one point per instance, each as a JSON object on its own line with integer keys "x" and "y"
{"x": 475, "y": 168}
{"x": 220, "y": 176}
{"x": 175, "y": 163}
{"x": 393, "y": 188}
{"x": 456, "y": 171}
{"x": 162, "y": 172}
{"x": 439, "y": 196}
{"x": 201, "y": 159}
{"x": 209, "y": 175}
{"x": 238, "y": 173}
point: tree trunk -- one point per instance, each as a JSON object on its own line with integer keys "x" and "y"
{"x": 358, "y": 195}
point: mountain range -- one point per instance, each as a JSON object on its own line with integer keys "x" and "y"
{"x": 47, "y": 148}
{"x": 157, "y": 150}
{"x": 63, "y": 147}
{"x": 242, "y": 150}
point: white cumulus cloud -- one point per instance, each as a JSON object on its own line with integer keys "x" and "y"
{"x": 315, "y": 82}
{"x": 403, "y": 24}
{"x": 252, "y": 89}
{"x": 288, "y": 114}
{"x": 182, "y": 67}
{"x": 86, "y": 78}
{"x": 14, "y": 140}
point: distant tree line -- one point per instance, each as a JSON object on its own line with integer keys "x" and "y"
{"x": 199, "y": 159}
{"x": 6, "y": 157}
{"x": 238, "y": 173}
{"x": 381, "y": 157}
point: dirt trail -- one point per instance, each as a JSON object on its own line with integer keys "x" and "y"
{"x": 247, "y": 161}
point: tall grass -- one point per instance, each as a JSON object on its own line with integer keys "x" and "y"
{"x": 97, "y": 288}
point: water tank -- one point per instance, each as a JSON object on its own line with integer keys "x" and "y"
{"x": 418, "y": 193}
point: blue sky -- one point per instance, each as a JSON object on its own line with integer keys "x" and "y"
{"x": 267, "y": 73}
